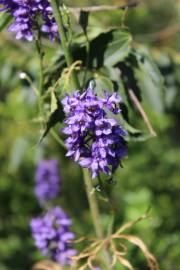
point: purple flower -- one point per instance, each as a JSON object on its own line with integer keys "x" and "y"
{"x": 27, "y": 15}
{"x": 112, "y": 101}
{"x": 51, "y": 234}
{"x": 95, "y": 140}
{"x": 47, "y": 180}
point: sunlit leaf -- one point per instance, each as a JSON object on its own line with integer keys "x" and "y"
{"x": 149, "y": 80}
{"x": 111, "y": 47}
{"x": 54, "y": 104}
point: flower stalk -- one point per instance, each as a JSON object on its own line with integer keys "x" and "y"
{"x": 92, "y": 199}
{"x": 93, "y": 204}
{"x": 87, "y": 180}
{"x": 41, "y": 56}
{"x": 64, "y": 41}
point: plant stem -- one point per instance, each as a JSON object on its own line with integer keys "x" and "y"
{"x": 96, "y": 8}
{"x": 64, "y": 41}
{"x": 142, "y": 112}
{"x": 41, "y": 75}
{"x": 87, "y": 58}
{"x": 95, "y": 215}
{"x": 40, "y": 55}
{"x": 93, "y": 204}
{"x": 57, "y": 138}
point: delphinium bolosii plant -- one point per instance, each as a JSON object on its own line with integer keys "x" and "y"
{"x": 89, "y": 89}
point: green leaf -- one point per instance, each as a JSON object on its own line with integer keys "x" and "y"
{"x": 130, "y": 129}
{"x": 18, "y": 153}
{"x": 103, "y": 83}
{"x": 118, "y": 48}
{"x": 54, "y": 104}
{"x": 56, "y": 117}
{"x": 92, "y": 33}
{"x": 109, "y": 48}
{"x": 149, "y": 80}
{"x": 5, "y": 19}
{"x": 53, "y": 71}
{"x": 133, "y": 133}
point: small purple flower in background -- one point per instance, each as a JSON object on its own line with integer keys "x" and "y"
{"x": 47, "y": 180}
{"x": 95, "y": 139}
{"x": 51, "y": 234}
{"x": 27, "y": 14}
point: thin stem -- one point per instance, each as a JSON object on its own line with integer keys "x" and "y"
{"x": 24, "y": 76}
{"x": 57, "y": 138}
{"x": 41, "y": 56}
{"x": 129, "y": 4}
{"x": 41, "y": 75}
{"x": 93, "y": 204}
{"x": 96, "y": 217}
{"x": 87, "y": 58}
{"x": 64, "y": 41}
{"x": 142, "y": 112}
{"x": 162, "y": 34}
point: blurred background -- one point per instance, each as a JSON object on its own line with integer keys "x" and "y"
{"x": 150, "y": 176}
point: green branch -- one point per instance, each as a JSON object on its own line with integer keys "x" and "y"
{"x": 93, "y": 204}
{"x": 64, "y": 41}
{"x": 96, "y": 217}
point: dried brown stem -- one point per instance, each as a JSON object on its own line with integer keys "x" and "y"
{"x": 142, "y": 112}
{"x": 115, "y": 243}
{"x": 47, "y": 265}
{"x": 129, "y": 4}
{"x": 162, "y": 34}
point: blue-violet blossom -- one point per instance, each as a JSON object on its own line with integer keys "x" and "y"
{"x": 95, "y": 139}
{"x": 47, "y": 180}
{"x": 30, "y": 15}
{"x": 51, "y": 234}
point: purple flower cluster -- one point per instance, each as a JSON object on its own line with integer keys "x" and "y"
{"x": 51, "y": 234}
{"x": 47, "y": 180}
{"x": 27, "y": 15}
{"x": 95, "y": 140}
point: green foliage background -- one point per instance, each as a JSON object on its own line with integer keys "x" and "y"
{"x": 151, "y": 174}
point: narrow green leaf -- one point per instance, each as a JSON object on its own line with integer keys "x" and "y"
{"x": 5, "y": 19}
{"x": 83, "y": 19}
{"x": 56, "y": 117}
{"x": 54, "y": 104}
